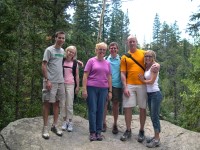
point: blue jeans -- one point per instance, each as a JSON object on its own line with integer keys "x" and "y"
{"x": 96, "y": 101}
{"x": 154, "y": 101}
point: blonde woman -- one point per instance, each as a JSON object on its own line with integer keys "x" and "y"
{"x": 97, "y": 85}
{"x": 150, "y": 78}
{"x": 71, "y": 80}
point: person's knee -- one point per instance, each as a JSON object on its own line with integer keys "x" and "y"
{"x": 142, "y": 111}
{"x": 128, "y": 110}
{"x": 56, "y": 104}
{"x": 115, "y": 104}
{"x": 46, "y": 104}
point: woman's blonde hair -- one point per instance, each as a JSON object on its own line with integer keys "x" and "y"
{"x": 101, "y": 44}
{"x": 71, "y": 48}
{"x": 152, "y": 53}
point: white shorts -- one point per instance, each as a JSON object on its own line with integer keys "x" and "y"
{"x": 138, "y": 96}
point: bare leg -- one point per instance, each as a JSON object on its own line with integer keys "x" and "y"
{"x": 128, "y": 117}
{"x": 157, "y": 137}
{"x": 142, "y": 118}
{"x": 55, "y": 112}
{"x": 115, "y": 111}
{"x": 45, "y": 107}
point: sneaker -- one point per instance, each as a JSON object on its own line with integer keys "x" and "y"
{"x": 92, "y": 137}
{"x": 55, "y": 130}
{"x": 127, "y": 135}
{"x": 141, "y": 136}
{"x": 70, "y": 127}
{"x": 45, "y": 132}
{"x": 153, "y": 143}
{"x": 99, "y": 137}
{"x": 115, "y": 129}
{"x": 64, "y": 126}
{"x": 149, "y": 139}
{"x": 104, "y": 128}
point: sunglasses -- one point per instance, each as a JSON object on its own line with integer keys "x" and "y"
{"x": 148, "y": 56}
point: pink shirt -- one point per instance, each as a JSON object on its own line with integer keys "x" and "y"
{"x": 98, "y": 72}
{"x": 68, "y": 76}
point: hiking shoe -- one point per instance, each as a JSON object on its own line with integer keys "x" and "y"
{"x": 64, "y": 126}
{"x": 127, "y": 135}
{"x": 45, "y": 132}
{"x": 141, "y": 136}
{"x": 115, "y": 129}
{"x": 92, "y": 137}
{"x": 70, "y": 127}
{"x": 149, "y": 139}
{"x": 55, "y": 130}
{"x": 153, "y": 143}
{"x": 99, "y": 137}
{"x": 104, "y": 128}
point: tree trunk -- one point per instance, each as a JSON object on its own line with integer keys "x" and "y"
{"x": 101, "y": 21}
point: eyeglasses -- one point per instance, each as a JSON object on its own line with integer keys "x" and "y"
{"x": 148, "y": 56}
{"x": 71, "y": 52}
{"x": 102, "y": 49}
{"x": 113, "y": 48}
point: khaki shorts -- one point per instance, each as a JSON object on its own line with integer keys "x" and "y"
{"x": 57, "y": 92}
{"x": 138, "y": 96}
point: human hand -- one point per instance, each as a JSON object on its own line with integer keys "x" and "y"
{"x": 84, "y": 94}
{"x": 80, "y": 63}
{"x": 126, "y": 92}
{"x": 109, "y": 95}
{"x": 76, "y": 90}
{"x": 155, "y": 67}
{"x": 141, "y": 77}
{"x": 48, "y": 85}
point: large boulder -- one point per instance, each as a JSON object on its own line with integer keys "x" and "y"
{"x": 25, "y": 134}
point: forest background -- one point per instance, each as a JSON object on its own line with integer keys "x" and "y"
{"x": 27, "y": 28}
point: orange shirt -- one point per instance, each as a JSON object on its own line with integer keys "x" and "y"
{"x": 131, "y": 68}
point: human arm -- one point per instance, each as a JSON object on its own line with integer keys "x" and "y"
{"x": 80, "y": 63}
{"x": 153, "y": 74}
{"x": 110, "y": 87}
{"x": 77, "y": 80}
{"x": 123, "y": 79}
{"x": 84, "y": 83}
{"x": 44, "y": 72}
{"x": 155, "y": 67}
{"x": 149, "y": 81}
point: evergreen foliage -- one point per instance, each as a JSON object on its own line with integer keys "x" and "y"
{"x": 27, "y": 28}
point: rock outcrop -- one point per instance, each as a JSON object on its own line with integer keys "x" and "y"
{"x": 25, "y": 134}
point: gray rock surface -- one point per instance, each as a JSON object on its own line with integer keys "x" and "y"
{"x": 25, "y": 134}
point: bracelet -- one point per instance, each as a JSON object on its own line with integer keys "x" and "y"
{"x": 110, "y": 91}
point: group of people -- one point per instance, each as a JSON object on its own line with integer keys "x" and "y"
{"x": 131, "y": 79}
